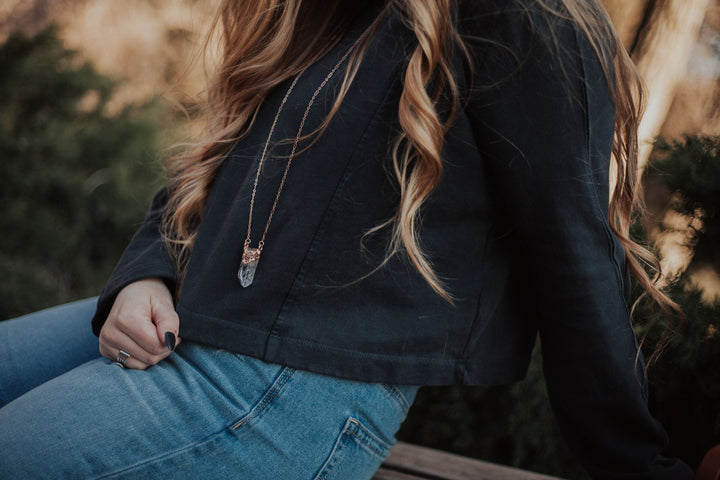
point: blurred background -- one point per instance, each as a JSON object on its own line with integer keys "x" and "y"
{"x": 93, "y": 92}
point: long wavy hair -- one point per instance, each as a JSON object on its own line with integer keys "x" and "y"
{"x": 265, "y": 42}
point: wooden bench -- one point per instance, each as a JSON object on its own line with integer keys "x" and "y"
{"x": 412, "y": 462}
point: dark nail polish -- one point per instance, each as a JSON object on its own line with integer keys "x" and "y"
{"x": 170, "y": 340}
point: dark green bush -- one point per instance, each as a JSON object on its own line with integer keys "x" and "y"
{"x": 685, "y": 382}
{"x": 691, "y": 169}
{"x": 76, "y": 180}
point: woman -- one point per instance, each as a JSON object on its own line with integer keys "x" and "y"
{"x": 390, "y": 194}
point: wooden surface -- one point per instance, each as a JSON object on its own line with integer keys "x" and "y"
{"x": 411, "y": 462}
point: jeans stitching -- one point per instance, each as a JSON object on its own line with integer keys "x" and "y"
{"x": 333, "y": 460}
{"x": 376, "y": 446}
{"x": 162, "y": 457}
{"x": 399, "y": 397}
{"x": 349, "y": 431}
{"x": 269, "y": 397}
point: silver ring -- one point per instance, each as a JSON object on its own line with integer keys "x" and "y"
{"x": 122, "y": 358}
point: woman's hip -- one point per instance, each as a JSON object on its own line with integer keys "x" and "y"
{"x": 203, "y": 413}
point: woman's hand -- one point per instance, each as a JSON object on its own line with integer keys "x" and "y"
{"x": 141, "y": 316}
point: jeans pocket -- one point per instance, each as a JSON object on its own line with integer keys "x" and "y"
{"x": 356, "y": 455}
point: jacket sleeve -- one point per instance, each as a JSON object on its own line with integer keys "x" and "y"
{"x": 144, "y": 257}
{"x": 543, "y": 117}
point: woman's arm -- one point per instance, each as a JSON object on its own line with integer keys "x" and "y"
{"x": 543, "y": 117}
{"x": 145, "y": 257}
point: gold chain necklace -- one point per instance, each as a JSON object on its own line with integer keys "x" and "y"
{"x": 251, "y": 256}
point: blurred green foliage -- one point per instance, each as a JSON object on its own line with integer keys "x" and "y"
{"x": 76, "y": 180}
{"x": 685, "y": 382}
{"x": 691, "y": 169}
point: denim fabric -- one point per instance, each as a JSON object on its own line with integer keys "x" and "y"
{"x": 202, "y": 413}
{"x": 40, "y": 346}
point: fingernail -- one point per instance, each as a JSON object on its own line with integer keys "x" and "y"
{"x": 170, "y": 340}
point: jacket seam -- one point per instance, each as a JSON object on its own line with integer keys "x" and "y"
{"x": 478, "y": 308}
{"x": 291, "y": 296}
{"x": 596, "y": 200}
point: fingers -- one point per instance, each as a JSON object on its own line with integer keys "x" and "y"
{"x": 131, "y": 326}
{"x": 141, "y": 316}
{"x": 140, "y": 357}
{"x": 166, "y": 322}
{"x": 124, "y": 359}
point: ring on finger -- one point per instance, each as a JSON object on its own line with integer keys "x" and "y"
{"x": 122, "y": 358}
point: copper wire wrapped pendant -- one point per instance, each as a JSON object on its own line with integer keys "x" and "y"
{"x": 248, "y": 265}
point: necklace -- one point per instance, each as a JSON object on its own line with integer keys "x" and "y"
{"x": 251, "y": 256}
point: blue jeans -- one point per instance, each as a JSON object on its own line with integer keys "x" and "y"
{"x": 202, "y": 413}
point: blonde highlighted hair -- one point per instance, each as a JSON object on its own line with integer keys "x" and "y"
{"x": 266, "y": 42}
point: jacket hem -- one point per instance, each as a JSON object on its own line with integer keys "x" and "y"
{"x": 333, "y": 361}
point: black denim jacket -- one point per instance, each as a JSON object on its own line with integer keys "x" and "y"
{"x": 517, "y": 229}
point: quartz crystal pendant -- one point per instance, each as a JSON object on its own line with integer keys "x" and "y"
{"x": 248, "y": 265}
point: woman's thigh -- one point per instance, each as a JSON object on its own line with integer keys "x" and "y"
{"x": 202, "y": 413}
{"x": 42, "y": 345}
